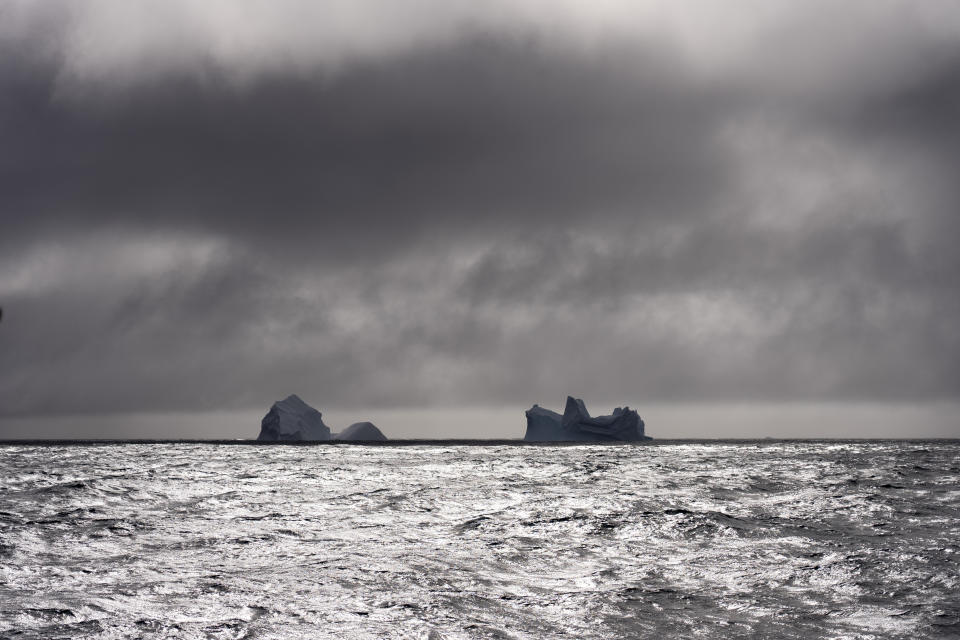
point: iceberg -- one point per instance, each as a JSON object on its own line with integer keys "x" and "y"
{"x": 292, "y": 419}
{"x": 361, "y": 431}
{"x": 576, "y": 425}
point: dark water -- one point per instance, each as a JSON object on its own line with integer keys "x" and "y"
{"x": 720, "y": 539}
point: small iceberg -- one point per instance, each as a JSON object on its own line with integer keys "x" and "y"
{"x": 576, "y": 425}
{"x": 361, "y": 431}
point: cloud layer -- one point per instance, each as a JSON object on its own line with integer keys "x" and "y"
{"x": 406, "y": 204}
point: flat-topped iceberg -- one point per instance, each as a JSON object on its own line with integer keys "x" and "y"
{"x": 576, "y": 425}
{"x": 292, "y": 419}
{"x": 360, "y": 431}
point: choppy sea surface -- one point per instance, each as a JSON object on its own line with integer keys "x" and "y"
{"x": 794, "y": 539}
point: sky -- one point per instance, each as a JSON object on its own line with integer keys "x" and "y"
{"x": 404, "y": 206}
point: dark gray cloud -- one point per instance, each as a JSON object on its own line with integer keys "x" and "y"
{"x": 478, "y": 136}
{"x": 476, "y": 208}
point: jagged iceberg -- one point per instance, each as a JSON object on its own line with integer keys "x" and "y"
{"x": 360, "y": 431}
{"x": 576, "y": 425}
{"x": 293, "y": 419}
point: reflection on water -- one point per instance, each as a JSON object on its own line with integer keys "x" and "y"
{"x": 852, "y": 539}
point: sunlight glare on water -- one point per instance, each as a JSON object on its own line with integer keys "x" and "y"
{"x": 769, "y": 539}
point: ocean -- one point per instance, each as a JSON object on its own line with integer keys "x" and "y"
{"x": 672, "y": 539}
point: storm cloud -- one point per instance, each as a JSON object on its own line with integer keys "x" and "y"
{"x": 409, "y": 204}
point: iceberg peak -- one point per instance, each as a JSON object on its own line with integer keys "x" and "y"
{"x": 293, "y": 419}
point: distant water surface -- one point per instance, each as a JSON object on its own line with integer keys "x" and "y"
{"x": 671, "y": 540}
